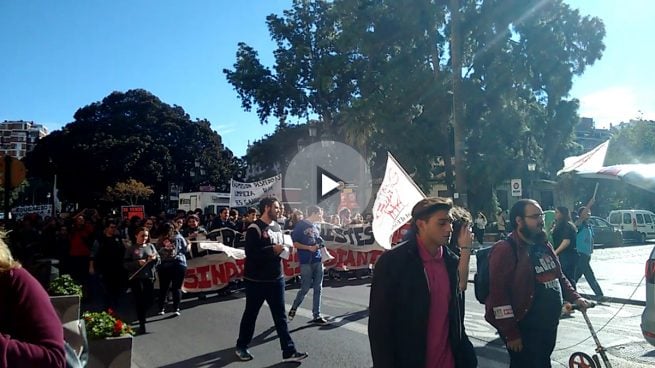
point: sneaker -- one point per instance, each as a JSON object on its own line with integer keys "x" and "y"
{"x": 295, "y": 357}
{"x": 292, "y": 313}
{"x": 244, "y": 354}
{"x": 177, "y": 312}
{"x": 320, "y": 321}
{"x": 162, "y": 312}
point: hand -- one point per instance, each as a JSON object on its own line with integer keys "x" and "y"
{"x": 515, "y": 345}
{"x": 582, "y": 304}
{"x": 463, "y": 284}
{"x": 152, "y": 257}
{"x": 278, "y": 248}
{"x": 465, "y": 238}
{"x": 313, "y": 248}
{"x": 142, "y": 262}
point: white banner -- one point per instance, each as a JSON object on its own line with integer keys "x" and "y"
{"x": 587, "y": 162}
{"x": 43, "y": 210}
{"x": 249, "y": 194}
{"x": 394, "y": 202}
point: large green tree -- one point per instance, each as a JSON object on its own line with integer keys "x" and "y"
{"x": 131, "y": 135}
{"x": 379, "y": 74}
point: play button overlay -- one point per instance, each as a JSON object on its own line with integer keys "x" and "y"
{"x": 328, "y": 184}
{"x": 331, "y": 175}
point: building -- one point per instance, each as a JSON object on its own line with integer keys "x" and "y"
{"x": 19, "y": 137}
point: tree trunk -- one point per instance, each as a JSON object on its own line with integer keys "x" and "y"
{"x": 455, "y": 58}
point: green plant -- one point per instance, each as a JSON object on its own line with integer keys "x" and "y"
{"x": 64, "y": 285}
{"x": 100, "y": 325}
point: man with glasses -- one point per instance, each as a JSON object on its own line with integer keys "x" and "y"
{"x": 527, "y": 287}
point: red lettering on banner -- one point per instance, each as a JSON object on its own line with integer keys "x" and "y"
{"x": 218, "y": 274}
{"x": 232, "y": 272}
{"x": 362, "y": 258}
{"x": 190, "y": 280}
{"x": 350, "y": 261}
{"x": 204, "y": 282}
{"x": 375, "y": 254}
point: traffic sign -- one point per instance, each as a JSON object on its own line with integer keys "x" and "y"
{"x": 517, "y": 187}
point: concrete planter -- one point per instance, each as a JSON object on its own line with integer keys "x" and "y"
{"x": 67, "y": 307}
{"x": 111, "y": 352}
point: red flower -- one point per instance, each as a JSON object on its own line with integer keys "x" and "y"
{"x": 118, "y": 326}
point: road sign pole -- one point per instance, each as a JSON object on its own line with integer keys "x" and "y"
{"x": 7, "y": 185}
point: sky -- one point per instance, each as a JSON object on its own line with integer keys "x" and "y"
{"x": 58, "y": 56}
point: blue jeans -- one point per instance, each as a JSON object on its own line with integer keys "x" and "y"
{"x": 311, "y": 276}
{"x": 273, "y": 293}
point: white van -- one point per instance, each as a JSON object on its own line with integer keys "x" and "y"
{"x": 641, "y": 222}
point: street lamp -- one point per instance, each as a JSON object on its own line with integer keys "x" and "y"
{"x": 532, "y": 166}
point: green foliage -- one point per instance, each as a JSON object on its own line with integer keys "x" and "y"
{"x": 378, "y": 76}
{"x": 632, "y": 143}
{"x": 129, "y": 191}
{"x": 131, "y": 135}
{"x": 64, "y": 285}
{"x": 100, "y": 325}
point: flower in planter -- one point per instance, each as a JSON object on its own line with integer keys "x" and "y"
{"x": 100, "y": 325}
{"x": 64, "y": 285}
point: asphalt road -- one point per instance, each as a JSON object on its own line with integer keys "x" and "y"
{"x": 205, "y": 334}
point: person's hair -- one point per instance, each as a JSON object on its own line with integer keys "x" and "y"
{"x": 425, "y": 208}
{"x": 312, "y": 210}
{"x": 566, "y": 215}
{"x": 518, "y": 210}
{"x": 193, "y": 216}
{"x": 233, "y": 213}
{"x": 7, "y": 262}
{"x": 252, "y": 210}
{"x": 167, "y": 230}
{"x": 581, "y": 209}
{"x": 266, "y": 202}
{"x": 110, "y": 222}
{"x": 224, "y": 209}
{"x": 461, "y": 217}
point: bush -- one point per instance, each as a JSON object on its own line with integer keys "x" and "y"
{"x": 100, "y": 325}
{"x": 64, "y": 285}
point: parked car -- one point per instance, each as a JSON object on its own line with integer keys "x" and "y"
{"x": 648, "y": 317}
{"x": 605, "y": 233}
{"x": 636, "y": 224}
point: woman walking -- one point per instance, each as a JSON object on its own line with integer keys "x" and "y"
{"x": 172, "y": 252}
{"x": 480, "y": 226}
{"x": 140, "y": 261}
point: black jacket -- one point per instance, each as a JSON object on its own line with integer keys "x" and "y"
{"x": 262, "y": 264}
{"x": 399, "y": 307}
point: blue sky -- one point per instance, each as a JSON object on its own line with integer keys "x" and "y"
{"x": 58, "y": 56}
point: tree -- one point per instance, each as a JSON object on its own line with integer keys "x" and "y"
{"x": 131, "y": 135}
{"x": 130, "y": 191}
{"x": 379, "y": 73}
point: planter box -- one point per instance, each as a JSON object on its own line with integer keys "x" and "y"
{"x": 67, "y": 307}
{"x": 112, "y": 352}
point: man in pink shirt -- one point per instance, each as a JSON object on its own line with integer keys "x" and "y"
{"x": 414, "y": 312}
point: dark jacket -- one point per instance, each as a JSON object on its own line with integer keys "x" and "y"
{"x": 399, "y": 307}
{"x": 512, "y": 285}
{"x": 262, "y": 264}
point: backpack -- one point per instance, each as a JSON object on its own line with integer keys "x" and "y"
{"x": 481, "y": 277}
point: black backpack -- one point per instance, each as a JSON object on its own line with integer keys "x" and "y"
{"x": 481, "y": 277}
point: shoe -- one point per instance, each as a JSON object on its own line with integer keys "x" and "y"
{"x": 320, "y": 321}
{"x": 292, "y": 313}
{"x": 244, "y": 355}
{"x": 141, "y": 330}
{"x": 162, "y": 312}
{"x": 295, "y": 357}
{"x": 177, "y": 312}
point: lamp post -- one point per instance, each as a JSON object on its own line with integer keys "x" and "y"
{"x": 532, "y": 166}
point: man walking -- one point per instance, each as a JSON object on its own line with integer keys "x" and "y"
{"x": 414, "y": 311}
{"x": 585, "y": 247}
{"x": 526, "y": 288}
{"x": 264, "y": 281}
{"x": 307, "y": 239}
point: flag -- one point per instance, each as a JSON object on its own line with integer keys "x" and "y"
{"x": 394, "y": 202}
{"x": 587, "y": 162}
{"x": 638, "y": 175}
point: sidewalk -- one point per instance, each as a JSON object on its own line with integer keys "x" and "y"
{"x": 619, "y": 271}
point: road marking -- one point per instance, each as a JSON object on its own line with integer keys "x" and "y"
{"x": 339, "y": 322}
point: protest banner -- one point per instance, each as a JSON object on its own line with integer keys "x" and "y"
{"x": 127, "y": 212}
{"x": 394, "y": 202}
{"x": 353, "y": 247}
{"x": 249, "y": 194}
{"x": 42, "y": 210}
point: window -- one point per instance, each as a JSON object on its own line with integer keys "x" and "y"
{"x": 648, "y": 219}
{"x": 627, "y": 219}
{"x": 640, "y": 219}
{"x": 615, "y": 218}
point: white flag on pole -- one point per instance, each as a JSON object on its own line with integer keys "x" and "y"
{"x": 394, "y": 202}
{"x": 588, "y": 162}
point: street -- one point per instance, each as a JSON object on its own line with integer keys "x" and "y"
{"x": 205, "y": 334}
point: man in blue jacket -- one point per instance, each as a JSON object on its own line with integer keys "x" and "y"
{"x": 585, "y": 247}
